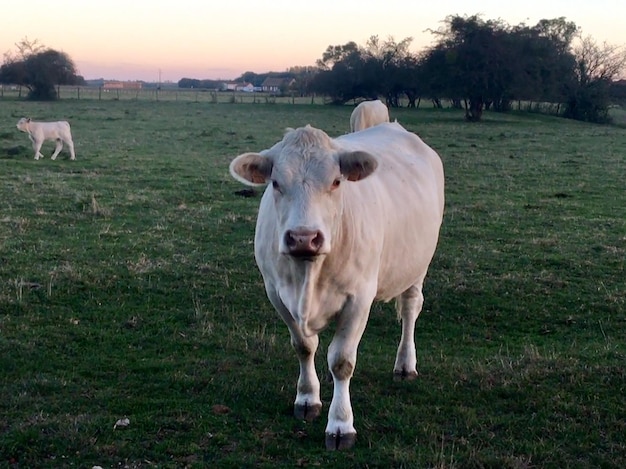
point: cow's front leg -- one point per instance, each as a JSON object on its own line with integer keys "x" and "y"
{"x": 37, "y": 148}
{"x": 342, "y": 352}
{"x": 307, "y": 405}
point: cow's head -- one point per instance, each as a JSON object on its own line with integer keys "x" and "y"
{"x": 307, "y": 172}
{"x": 22, "y": 124}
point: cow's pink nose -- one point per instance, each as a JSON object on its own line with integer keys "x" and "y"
{"x": 303, "y": 242}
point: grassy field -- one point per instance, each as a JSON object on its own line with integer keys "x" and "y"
{"x": 128, "y": 290}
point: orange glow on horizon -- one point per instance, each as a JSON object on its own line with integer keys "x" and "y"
{"x": 128, "y": 40}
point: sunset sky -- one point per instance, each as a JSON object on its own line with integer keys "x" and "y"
{"x": 136, "y": 40}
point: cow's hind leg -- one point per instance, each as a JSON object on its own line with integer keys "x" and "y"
{"x": 409, "y": 305}
{"x": 57, "y": 149}
{"x": 70, "y": 146}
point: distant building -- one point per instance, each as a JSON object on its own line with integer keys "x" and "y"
{"x": 247, "y": 87}
{"x": 235, "y": 86}
{"x": 122, "y": 85}
{"x": 275, "y": 85}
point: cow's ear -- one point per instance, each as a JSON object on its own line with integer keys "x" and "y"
{"x": 357, "y": 165}
{"x": 251, "y": 169}
{"x": 28, "y": 120}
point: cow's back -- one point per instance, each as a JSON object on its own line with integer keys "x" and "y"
{"x": 52, "y": 130}
{"x": 400, "y": 206}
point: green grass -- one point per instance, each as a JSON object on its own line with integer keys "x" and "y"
{"x": 128, "y": 290}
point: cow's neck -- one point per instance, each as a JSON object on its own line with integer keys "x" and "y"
{"x": 310, "y": 295}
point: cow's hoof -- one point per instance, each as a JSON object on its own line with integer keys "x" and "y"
{"x": 307, "y": 412}
{"x": 338, "y": 441}
{"x": 404, "y": 375}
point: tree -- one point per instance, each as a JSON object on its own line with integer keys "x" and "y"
{"x": 342, "y": 72}
{"x": 413, "y": 81}
{"x": 387, "y": 68}
{"x": 542, "y": 60}
{"x": 487, "y": 64}
{"x": 45, "y": 70}
{"x": 304, "y": 76}
{"x": 349, "y": 52}
{"x": 471, "y": 60}
{"x": 38, "y": 68}
{"x": 596, "y": 66}
{"x": 189, "y": 83}
{"x": 598, "y": 62}
{"x": 384, "y": 68}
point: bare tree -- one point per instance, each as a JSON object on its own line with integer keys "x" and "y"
{"x": 595, "y": 62}
{"x": 27, "y": 47}
{"x": 596, "y": 67}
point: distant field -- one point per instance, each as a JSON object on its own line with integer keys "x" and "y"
{"x": 128, "y": 289}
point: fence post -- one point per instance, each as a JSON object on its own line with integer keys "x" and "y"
{"x": 58, "y": 91}
{"x": 78, "y": 92}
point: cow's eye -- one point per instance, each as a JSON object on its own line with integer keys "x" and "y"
{"x": 336, "y": 184}
{"x": 275, "y": 185}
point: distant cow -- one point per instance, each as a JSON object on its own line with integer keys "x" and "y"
{"x": 368, "y": 114}
{"x": 38, "y": 132}
{"x": 344, "y": 222}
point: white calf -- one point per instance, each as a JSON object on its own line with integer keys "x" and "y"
{"x": 38, "y": 132}
{"x": 368, "y": 114}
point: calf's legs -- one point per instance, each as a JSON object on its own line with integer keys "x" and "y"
{"x": 37, "y": 148}
{"x": 70, "y": 145}
{"x": 57, "y": 148}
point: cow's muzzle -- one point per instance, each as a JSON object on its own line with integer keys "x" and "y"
{"x": 304, "y": 243}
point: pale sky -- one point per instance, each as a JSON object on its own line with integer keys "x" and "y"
{"x": 148, "y": 40}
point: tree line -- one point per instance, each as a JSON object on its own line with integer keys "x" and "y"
{"x": 476, "y": 64}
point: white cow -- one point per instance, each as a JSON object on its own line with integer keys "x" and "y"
{"x": 368, "y": 114}
{"x": 38, "y": 132}
{"x": 344, "y": 222}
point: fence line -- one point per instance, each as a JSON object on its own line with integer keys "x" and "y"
{"x": 67, "y": 92}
